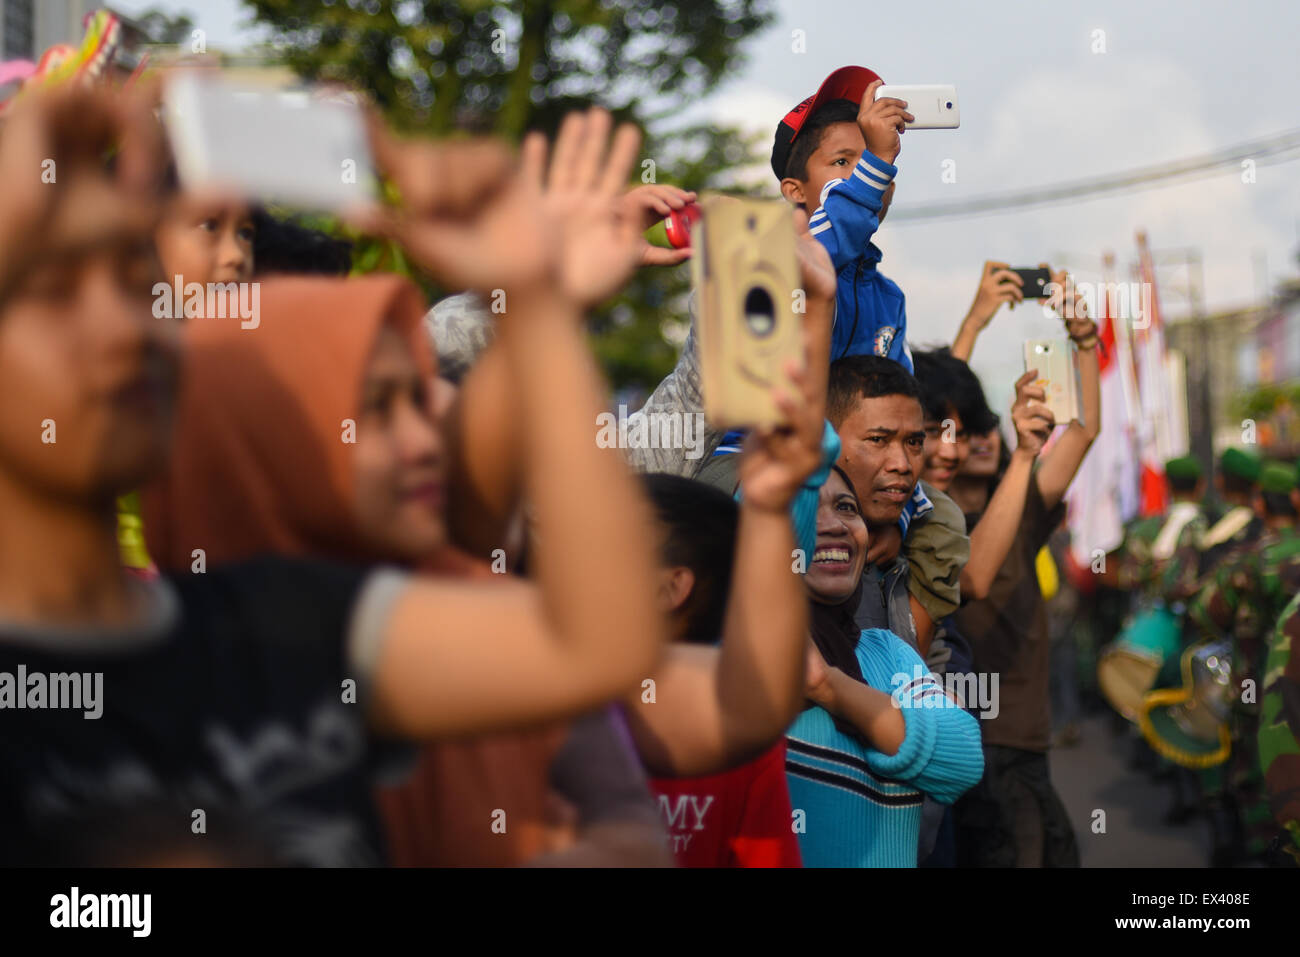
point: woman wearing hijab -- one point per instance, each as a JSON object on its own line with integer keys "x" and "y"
{"x": 315, "y": 435}
{"x": 878, "y": 732}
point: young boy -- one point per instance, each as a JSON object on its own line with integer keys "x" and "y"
{"x": 834, "y": 156}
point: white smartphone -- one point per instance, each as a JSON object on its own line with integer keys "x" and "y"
{"x": 286, "y": 146}
{"x": 1058, "y": 377}
{"x": 935, "y": 106}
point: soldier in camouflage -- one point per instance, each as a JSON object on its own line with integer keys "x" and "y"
{"x": 1279, "y": 728}
{"x": 1237, "y": 485}
{"x": 1241, "y": 599}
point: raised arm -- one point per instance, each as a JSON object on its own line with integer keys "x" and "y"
{"x": 1060, "y": 465}
{"x": 717, "y": 707}
{"x": 998, "y": 284}
{"x": 456, "y": 658}
{"x": 847, "y": 213}
{"x": 994, "y": 534}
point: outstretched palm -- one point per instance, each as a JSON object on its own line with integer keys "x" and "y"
{"x": 598, "y": 244}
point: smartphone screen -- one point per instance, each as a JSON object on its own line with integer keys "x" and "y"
{"x": 284, "y": 146}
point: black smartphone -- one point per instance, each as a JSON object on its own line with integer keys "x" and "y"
{"x": 1035, "y": 282}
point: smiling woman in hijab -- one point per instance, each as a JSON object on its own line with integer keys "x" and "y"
{"x": 315, "y": 434}
{"x": 878, "y": 732}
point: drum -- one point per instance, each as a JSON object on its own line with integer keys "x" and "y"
{"x": 1129, "y": 667}
{"x": 1189, "y": 725}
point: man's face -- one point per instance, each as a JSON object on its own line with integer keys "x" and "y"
{"x": 883, "y": 453}
{"x": 87, "y": 375}
{"x": 947, "y": 446}
{"x": 838, "y": 152}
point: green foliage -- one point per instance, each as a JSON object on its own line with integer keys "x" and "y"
{"x": 443, "y": 67}
{"x": 161, "y": 27}
{"x": 1266, "y": 400}
{"x": 1276, "y": 409}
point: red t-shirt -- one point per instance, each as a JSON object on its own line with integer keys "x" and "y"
{"x": 739, "y": 818}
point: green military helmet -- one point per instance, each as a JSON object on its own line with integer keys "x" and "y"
{"x": 1278, "y": 478}
{"x": 1185, "y": 467}
{"x": 1241, "y": 464}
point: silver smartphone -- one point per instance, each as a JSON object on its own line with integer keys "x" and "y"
{"x": 934, "y": 105}
{"x": 1058, "y": 376}
{"x": 291, "y": 146}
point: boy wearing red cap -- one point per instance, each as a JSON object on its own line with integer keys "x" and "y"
{"x": 834, "y": 155}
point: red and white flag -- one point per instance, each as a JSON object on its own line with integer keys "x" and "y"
{"x": 1156, "y": 436}
{"x": 1103, "y": 496}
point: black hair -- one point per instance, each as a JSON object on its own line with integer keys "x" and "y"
{"x": 810, "y": 135}
{"x": 1184, "y": 484}
{"x": 855, "y": 378}
{"x": 948, "y": 385}
{"x": 285, "y": 246}
{"x": 847, "y": 481}
{"x": 1279, "y": 504}
{"x": 700, "y": 521}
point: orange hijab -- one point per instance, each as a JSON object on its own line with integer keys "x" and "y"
{"x": 259, "y": 465}
{"x": 259, "y": 462}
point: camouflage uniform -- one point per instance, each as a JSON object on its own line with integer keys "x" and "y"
{"x": 1279, "y": 730}
{"x": 1141, "y": 569}
{"x": 1237, "y": 527}
{"x": 1197, "y": 555}
{"x": 1242, "y": 598}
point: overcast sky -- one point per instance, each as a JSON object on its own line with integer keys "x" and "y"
{"x": 1038, "y": 107}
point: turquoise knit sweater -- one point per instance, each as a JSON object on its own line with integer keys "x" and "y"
{"x": 861, "y": 807}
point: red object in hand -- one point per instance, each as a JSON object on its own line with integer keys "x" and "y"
{"x": 678, "y": 225}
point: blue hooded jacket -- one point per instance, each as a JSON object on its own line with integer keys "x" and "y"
{"x": 870, "y": 316}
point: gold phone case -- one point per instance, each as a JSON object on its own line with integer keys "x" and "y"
{"x": 745, "y": 272}
{"x": 1057, "y": 376}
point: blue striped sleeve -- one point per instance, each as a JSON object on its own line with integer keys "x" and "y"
{"x": 849, "y": 211}
{"x": 941, "y": 753}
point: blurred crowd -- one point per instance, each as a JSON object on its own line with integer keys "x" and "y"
{"x": 360, "y": 586}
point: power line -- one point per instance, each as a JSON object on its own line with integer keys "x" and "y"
{"x": 1279, "y": 148}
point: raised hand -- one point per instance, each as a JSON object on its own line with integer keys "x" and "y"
{"x": 777, "y": 460}
{"x": 57, "y": 195}
{"x": 998, "y": 284}
{"x": 882, "y": 123}
{"x": 1032, "y": 420}
{"x": 597, "y": 244}
{"x": 647, "y": 205}
{"x": 467, "y": 216}
{"x": 1073, "y": 309}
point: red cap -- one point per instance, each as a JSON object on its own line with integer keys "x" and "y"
{"x": 846, "y": 83}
